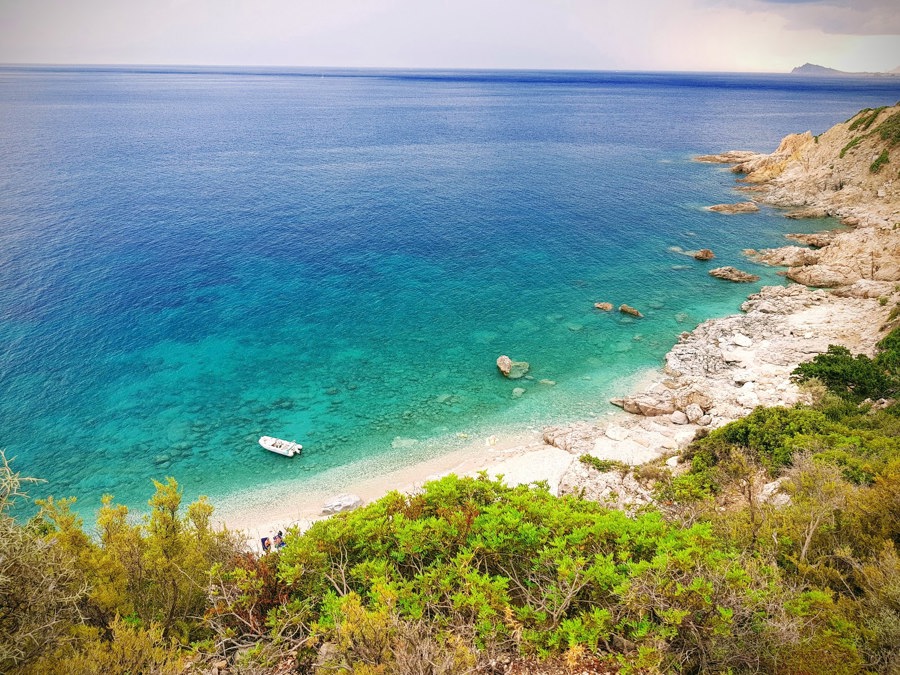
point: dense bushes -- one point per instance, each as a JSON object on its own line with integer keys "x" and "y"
{"x": 856, "y": 378}
{"x": 126, "y": 601}
{"x": 473, "y": 568}
{"x": 467, "y": 572}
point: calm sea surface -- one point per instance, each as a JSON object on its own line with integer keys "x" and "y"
{"x": 190, "y": 259}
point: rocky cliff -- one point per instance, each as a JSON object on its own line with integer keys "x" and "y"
{"x": 852, "y": 171}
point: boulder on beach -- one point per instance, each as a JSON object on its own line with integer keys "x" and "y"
{"x": 865, "y": 288}
{"x": 649, "y": 406}
{"x": 678, "y": 417}
{"x": 514, "y": 370}
{"x": 693, "y": 412}
{"x": 742, "y": 340}
{"x": 627, "y": 309}
{"x": 704, "y": 254}
{"x": 733, "y": 274}
{"x": 731, "y": 209}
{"x": 340, "y": 503}
{"x": 605, "y": 306}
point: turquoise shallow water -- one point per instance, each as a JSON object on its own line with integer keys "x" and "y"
{"x": 192, "y": 259}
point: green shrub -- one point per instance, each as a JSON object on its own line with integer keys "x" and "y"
{"x": 853, "y": 142}
{"x": 696, "y": 485}
{"x": 880, "y": 161}
{"x": 889, "y": 130}
{"x": 127, "y": 649}
{"x": 888, "y": 357}
{"x": 854, "y": 378}
{"x": 602, "y": 465}
{"x": 772, "y": 435}
{"x": 895, "y": 312}
{"x": 865, "y": 118}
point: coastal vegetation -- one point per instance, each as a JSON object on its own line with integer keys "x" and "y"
{"x": 888, "y": 131}
{"x": 880, "y": 161}
{"x": 864, "y": 118}
{"x": 602, "y": 465}
{"x": 776, "y": 549}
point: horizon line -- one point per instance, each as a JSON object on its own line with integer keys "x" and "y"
{"x": 14, "y": 64}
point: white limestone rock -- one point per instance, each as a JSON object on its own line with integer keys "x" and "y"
{"x": 616, "y": 433}
{"x": 340, "y": 503}
{"x": 694, "y": 412}
{"x": 678, "y": 417}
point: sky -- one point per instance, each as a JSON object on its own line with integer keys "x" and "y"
{"x": 674, "y": 35}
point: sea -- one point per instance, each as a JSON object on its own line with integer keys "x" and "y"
{"x": 192, "y": 258}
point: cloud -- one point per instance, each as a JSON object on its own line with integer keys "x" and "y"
{"x": 837, "y": 17}
{"x": 731, "y": 35}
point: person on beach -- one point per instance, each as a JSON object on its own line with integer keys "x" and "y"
{"x": 266, "y": 544}
{"x": 278, "y": 540}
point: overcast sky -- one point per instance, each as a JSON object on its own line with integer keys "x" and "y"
{"x": 707, "y": 35}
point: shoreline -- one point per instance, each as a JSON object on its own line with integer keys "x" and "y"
{"x": 719, "y": 372}
{"x": 496, "y": 450}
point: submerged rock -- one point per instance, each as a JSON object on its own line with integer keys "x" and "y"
{"x": 605, "y": 306}
{"x": 730, "y": 157}
{"x": 704, "y": 254}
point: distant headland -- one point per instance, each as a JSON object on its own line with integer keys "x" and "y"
{"x": 812, "y": 69}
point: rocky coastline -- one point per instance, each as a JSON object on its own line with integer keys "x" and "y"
{"x": 726, "y": 367}
{"x": 844, "y": 285}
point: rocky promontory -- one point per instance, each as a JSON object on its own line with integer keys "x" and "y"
{"x": 852, "y": 172}
{"x": 847, "y": 284}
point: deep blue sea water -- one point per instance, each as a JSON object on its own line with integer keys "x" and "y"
{"x": 190, "y": 259}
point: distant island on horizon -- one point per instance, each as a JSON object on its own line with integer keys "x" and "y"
{"x": 822, "y": 71}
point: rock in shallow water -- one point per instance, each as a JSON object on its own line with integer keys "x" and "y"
{"x": 733, "y": 274}
{"x": 514, "y": 370}
{"x": 730, "y": 209}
